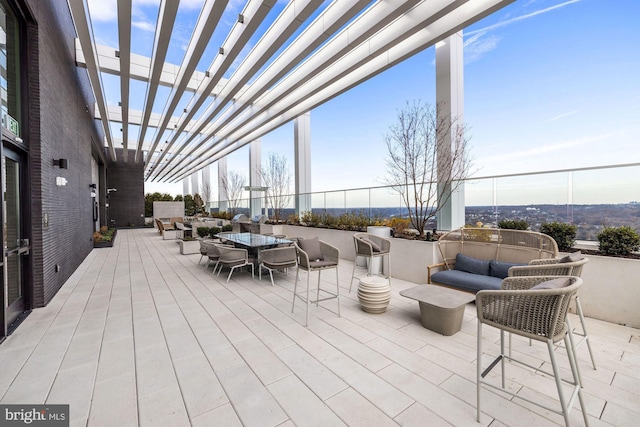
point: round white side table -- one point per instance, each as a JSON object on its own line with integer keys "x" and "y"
{"x": 374, "y": 294}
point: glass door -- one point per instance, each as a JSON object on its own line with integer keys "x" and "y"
{"x": 15, "y": 246}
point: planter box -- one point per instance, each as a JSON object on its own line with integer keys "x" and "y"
{"x": 106, "y": 244}
{"x": 170, "y": 234}
{"x": 611, "y": 291}
{"x": 188, "y": 247}
{"x": 272, "y": 228}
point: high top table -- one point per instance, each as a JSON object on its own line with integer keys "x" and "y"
{"x": 441, "y": 309}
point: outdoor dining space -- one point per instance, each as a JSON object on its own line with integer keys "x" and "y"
{"x": 143, "y": 335}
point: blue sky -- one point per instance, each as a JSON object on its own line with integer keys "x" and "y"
{"x": 549, "y": 84}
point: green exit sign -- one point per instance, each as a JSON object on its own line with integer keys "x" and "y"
{"x": 12, "y": 125}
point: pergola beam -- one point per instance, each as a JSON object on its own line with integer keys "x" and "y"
{"x": 164, "y": 27}
{"x": 207, "y": 21}
{"x": 253, "y": 15}
{"x": 396, "y": 43}
{"x": 124, "y": 41}
{"x": 79, "y": 14}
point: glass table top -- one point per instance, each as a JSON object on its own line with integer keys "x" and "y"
{"x": 253, "y": 240}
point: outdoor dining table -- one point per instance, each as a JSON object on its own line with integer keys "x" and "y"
{"x": 253, "y": 242}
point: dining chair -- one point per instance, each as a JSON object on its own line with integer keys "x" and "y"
{"x": 371, "y": 247}
{"x": 277, "y": 259}
{"x": 533, "y": 307}
{"x": 316, "y": 255}
{"x": 233, "y": 258}
{"x": 569, "y": 265}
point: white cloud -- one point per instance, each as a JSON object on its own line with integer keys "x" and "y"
{"x": 477, "y": 45}
{"x": 563, "y": 115}
{"x": 103, "y": 10}
{"x": 506, "y": 156}
{"x": 522, "y": 17}
{"x": 145, "y": 26}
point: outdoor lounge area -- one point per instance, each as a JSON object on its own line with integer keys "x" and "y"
{"x": 142, "y": 335}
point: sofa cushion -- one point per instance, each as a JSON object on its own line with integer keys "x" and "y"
{"x": 466, "y": 281}
{"x": 572, "y": 257}
{"x": 560, "y": 282}
{"x": 500, "y": 269}
{"x": 471, "y": 265}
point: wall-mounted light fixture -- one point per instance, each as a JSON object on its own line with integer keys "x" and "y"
{"x": 61, "y": 163}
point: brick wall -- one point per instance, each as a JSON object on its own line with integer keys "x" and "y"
{"x": 60, "y": 125}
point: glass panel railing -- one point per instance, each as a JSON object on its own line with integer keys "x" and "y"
{"x": 590, "y": 197}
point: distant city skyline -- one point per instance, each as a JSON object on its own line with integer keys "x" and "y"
{"x": 548, "y": 85}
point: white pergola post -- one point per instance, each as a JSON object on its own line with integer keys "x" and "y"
{"x": 185, "y": 186}
{"x": 223, "y": 198}
{"x": 302, "y": 153}
{"x": 450, "y": 105}
{"x": 195, "y": 184}
{"x": 255, "y": 160}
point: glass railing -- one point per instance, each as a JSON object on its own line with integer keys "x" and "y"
{"x": 590, "y": 198}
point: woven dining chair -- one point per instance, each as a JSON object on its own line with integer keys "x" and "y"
{"x": 533, "y": 307}
{"x": 371, "y": 247}
{"x": 316, "y": 255}
{"x": 233, "y": 258}
{"x": 277, "y": 259}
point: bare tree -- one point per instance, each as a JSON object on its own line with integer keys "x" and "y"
{"x": 206, "y": 193}
{"x": 275, "y": 175}
{"x": 233, "y": 185}
{"x": 422, "y": 166}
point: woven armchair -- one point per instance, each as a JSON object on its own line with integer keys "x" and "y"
{"x": 371, "y": 246}
{"x": 557, "y": 267}
{"x": 549, "y": 267}
{"x": 538, "y": 314}
{"x": 277, "y": 259}
{"x": 324, "y": 257}
{"x": 233, "y": 258}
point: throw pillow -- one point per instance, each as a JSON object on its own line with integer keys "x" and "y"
{"x": 312, "y": 248}
{"x": 500, "y": 269}
{"x": 374, "y": 246}
{"x": 572, "y": 257}
{"x": 471, "y": 265}
{"x": 560, "y": 282}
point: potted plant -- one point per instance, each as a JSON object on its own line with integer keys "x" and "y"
{"x": 104, "y": 238}
{"x": 189, "y": 245}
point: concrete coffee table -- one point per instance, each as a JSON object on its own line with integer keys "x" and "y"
{"x": 441, "y": 309}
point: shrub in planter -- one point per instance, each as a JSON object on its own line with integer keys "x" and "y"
{"x": 618, "y": 240}
{"x": 399, "y": 226}
{"x": 214, "y": 230}
{"x": 203, "y": 231}
{"x": 563, "y": 233}
{"x": 104, "y": 235}
{"x": 227, "y": 227}
{"x": 513, "y": 224}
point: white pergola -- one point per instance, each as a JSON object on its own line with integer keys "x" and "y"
{"x": 347, "y": 43}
